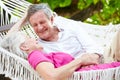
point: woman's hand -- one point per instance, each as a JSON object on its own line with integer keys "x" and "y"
{"x": 17, "y": 26}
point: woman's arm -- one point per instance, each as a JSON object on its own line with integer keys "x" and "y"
{"x": 48, "y": 72}
{"x": 17, "y": 26}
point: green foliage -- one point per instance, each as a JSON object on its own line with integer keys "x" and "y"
{"x": 95, "y": 1}
{"x": 82, "y": 4}
{"x": 109, "y": 14}
{"x": 56, "y": 3}
{"x": 31, "y": 1}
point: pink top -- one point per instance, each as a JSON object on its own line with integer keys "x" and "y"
{"x": 60, "y": 59}
{"x": 100, "y": 66}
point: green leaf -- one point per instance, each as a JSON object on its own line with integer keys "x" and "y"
{"x": 82, "y": 4}
{"x": 65, "y": 3}
{"x": 95, "y": 1}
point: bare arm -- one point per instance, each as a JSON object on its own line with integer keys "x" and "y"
{"x": 48, "y": 72}
{"x": 46, "y": 68}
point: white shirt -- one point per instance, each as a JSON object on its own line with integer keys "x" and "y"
{"x": 72, "y": 40}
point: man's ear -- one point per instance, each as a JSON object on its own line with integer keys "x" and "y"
{"x": 24, "y": 47}
{"x": 52, "y": 19}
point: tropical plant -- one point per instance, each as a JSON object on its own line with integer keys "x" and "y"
{"x": 91, "y": 11}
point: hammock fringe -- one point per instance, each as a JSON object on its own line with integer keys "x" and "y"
{"x": 106, "y": 74}
{"x": 15, "y": 67}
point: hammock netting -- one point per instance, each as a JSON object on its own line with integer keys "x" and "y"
{"x": 18, "y": 68}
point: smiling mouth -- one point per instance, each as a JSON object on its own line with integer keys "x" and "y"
{"x": 43, "y": 30}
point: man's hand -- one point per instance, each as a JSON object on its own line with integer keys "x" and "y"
{"x": 89, "y": 59}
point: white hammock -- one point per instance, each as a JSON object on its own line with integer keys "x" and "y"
{"x": 18, "y": 68}
{"x": 14, "y": 8}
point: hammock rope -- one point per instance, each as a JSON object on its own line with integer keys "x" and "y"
{"x": 15, "y": 67}
{"x": 18, "y": 68}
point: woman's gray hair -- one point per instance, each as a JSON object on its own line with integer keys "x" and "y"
{"x": 42, "y": 6}
{"x": 12, "y": 43}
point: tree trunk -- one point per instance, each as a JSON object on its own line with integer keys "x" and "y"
{"x": 73, "y": 12}
{"x": 89, "y": 11}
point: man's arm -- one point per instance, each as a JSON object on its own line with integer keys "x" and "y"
{"x": 88, "y": 44}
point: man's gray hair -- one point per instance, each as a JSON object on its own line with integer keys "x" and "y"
{"x": 12, "y": 43}
{"x": 42, "y": 6}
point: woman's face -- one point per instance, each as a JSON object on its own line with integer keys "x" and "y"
{"x": 30, "y": 45}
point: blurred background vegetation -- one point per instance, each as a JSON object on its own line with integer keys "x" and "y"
{"x": 91, "y": 11}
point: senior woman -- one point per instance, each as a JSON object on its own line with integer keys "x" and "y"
{"x": 50, "y": 66}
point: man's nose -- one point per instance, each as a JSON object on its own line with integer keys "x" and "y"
{"x": 40, "y": 27}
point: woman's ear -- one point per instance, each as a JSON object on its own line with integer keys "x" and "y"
{"x": 24, "y": 47}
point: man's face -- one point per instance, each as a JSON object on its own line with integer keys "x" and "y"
{"x": 42, "y": 25}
